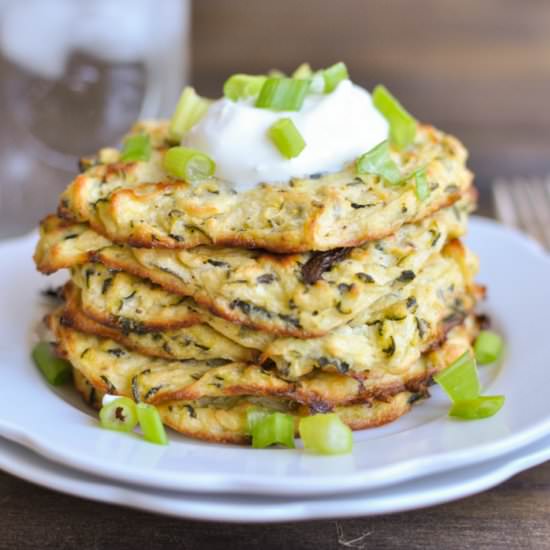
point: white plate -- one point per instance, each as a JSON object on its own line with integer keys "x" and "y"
{"x": 426, "y": 441}
{"x": 411, "y": 495}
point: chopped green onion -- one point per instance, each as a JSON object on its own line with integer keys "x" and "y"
{"x": 378, "y": 161}
{"x": 317, "y": 85}
{"x": 488, "y": 347}
{"x": 151, "y": 424}
{"x": 283, "y": 94}
{"x": 190, "y": 109}
{"x": 120, "y": 415}
{"x": 136, "y": 148}
{"x": 334, "y": 75}
{"x": 55, "y": 370}
{"x": 286, "y": 138}
{"x": 275, "y": 428}
{"x": 253, "y": 416}
{"x": 188, "y": 164}
{"x": 276, "y": 73}
{"x": 460, "y": 380}
{"x": 241, "y": 86}
{"x": 481, "y": 407}
{"x": 422, "y": 187}
{"x": 325, "y": 434}
{"x": 402, "y": 124}
{"x": 303, "y": 72}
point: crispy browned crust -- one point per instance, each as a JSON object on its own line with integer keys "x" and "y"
{"x": 320, "y": 390}
{"x": 149, "y": 344}
{"x": 141, "y": 238}
{"x": 50, "y": 256}
{"x": 118, "y": 322}
{"x": 274, "y": 317}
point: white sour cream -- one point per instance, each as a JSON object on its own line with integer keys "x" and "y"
{"x": 337, "y": 128}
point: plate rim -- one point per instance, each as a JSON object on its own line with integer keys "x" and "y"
{"x": 315, "y": 485}
{"x": 189, "y": 506}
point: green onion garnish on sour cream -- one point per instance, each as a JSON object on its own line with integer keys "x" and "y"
{"x": 242, "y": 86}
{"x": 303, "y": 71}
{"x": 190, "y": 109}
{"x": 334, "y": 75}
{"x": 286, "y": 137}
{"x": 283, "y": 94}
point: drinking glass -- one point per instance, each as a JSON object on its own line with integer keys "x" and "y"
{"x": 74, "y": 76}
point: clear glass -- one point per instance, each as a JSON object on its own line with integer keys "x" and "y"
{"x": 74, "y": 76}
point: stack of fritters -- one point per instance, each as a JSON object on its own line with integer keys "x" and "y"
{"x": 337, "y": 292}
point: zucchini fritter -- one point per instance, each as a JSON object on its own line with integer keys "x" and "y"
{"x": 223, "y": 419}
{"x": 117, "y": 370}
{"x": 140, "y": 205}
{"x": 389, "y": 336}
{"x": 199, "y": 341}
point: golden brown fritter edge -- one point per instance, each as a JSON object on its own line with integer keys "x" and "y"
{"x": 217, "y": 424}
{"x": 118, "y": 371}
{"x": 302, "y": 309}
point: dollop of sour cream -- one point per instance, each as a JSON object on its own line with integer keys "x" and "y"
{"x": 337, "y": 128}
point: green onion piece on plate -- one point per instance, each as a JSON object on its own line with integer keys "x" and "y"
{"x": 253, "y": 416}
{"x": 378, "y": 161}
{"x": 325, "y": 434}
{"x": 55, "y": 370}
{"x": 190, "y": 109}
{"x": 334, "y": 75}
{"x": 286, "y": 138}
{"x": 422, "y": 187}
{"x": 151, "y": 424}
{"x": 303, "y": 72}
{"x": 283, "y": 94}
{"x": 275, "y": 428}
{"x": 136, "y": 148}
{"x": 460, "y": 381}
{"x": 119, "y": 415}
{"x": 481, "y": 407}
{"x": 402, "y": 124}
{"x": 188, "y": 164}
{"x": 241, "y": 86}
{"x": 488, "y": 347}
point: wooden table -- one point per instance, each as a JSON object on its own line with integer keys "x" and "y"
{"x": 514, "y": 515}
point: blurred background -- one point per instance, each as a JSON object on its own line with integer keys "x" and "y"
{"x": 480, "y": 70}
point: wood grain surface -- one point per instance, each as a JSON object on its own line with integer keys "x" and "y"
{"x": 514, "y": 515}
